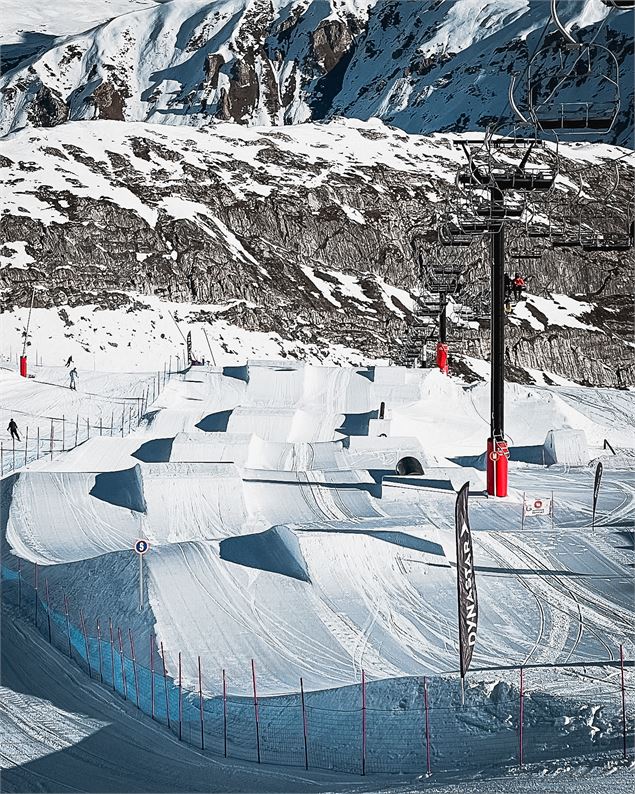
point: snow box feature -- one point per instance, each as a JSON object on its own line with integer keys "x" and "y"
{"x": 566, "y": 446}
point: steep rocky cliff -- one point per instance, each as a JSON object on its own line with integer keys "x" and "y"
{"x": 316, "y": 232}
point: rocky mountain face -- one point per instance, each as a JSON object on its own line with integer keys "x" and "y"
{"x": 423, "y": 66}
{"x": 314, "y": 231}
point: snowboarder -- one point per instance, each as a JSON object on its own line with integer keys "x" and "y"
{"x": 519, "y": 286}
{"x": 13, "y": 429}
{"x": 69, "y": 361}
{"x": 73, "y": 378}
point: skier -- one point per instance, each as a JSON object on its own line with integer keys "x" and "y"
{"x": 13, "y": 429}
{"x": 73, "y": 378}
{"x": 70, "y": 361}
{"x": 519, "y": 286}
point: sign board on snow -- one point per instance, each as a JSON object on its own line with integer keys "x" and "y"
{"x": 141, "y": 546}
{"x": 537, "y": 507}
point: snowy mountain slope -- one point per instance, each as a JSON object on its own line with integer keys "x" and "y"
{"x": 314, "y": 235}
{"x": 262, "y": 62}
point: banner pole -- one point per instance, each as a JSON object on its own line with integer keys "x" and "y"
{"x": 552, "y": 518}
{"x": 623, "y": 699}
{"x": 253, "y": 678}
{"x": 48, "y": 608}
{"x": 123, "y": 666}
{"x": 83, "y": 625}
{"x": 427, "y": 711}
{"x": 522, "y": 513}
{"x": 304, "y": 725}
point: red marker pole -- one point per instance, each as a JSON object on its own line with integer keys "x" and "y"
{"x": 200, "y": 703}
{"x": 224, "y": 715}
{"x": 165, "y": 685}
{"x": 304, "y": 726}
{"x": 363, "y": 723}
{"x": 257, "y": 721}
{"x": 427, "y": 711}
{"x": 623, "y": 700}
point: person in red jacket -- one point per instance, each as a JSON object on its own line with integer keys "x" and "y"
{"x": 518, "y": 286}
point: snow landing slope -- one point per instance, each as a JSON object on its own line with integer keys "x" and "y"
{"x": 280, "y": 532}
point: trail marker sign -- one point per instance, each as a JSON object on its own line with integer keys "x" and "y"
{"x": 537, "y": 506}
{"x": 141, "y": 547}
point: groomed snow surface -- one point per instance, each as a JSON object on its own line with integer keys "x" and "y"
{"x": 280, "y": 532}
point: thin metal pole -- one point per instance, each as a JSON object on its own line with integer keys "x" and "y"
{"x": 87, "y": 428}
{"x": 253, "y": 680}
{"x": 134, "y": 666}
{"x": 52, "y": 434}
{"x": 83, "y": 625}
{"x": 20, "y": 583}
{"x": 522, "y": 513}
{"x": 123, "y": 667}
{"x": 37, "y": 451}
{"x": 165, "y": 685}
{"x": 26, "y": 445}
{"x": 123, "y": 419}
{"x": 497, "y": 422}
{"x": 36, "y": 593}
{"x": 363, "y": 722}
{"x": 68, "y": 628}
{"x": 427, "y": 710}
{"x": 152, "y": 675}
{"x": 112, "y": 654}
{"x": 1, "y": 458}
{"x": 304, "y": 726}
{"x": 63, "y": 433}
{"x": 200, "y": 703}
{"x": 101, "y": 659}
{"x": 48, "y": 608}
{"x": 101, "y": 426}
{"x": 180, "y": 699}
{"x": 521, "y": 718}
{"x": 13, "y": 452}
{"x": 112, "y": 422}
{"x": 443, "y": 325}
{"x": 623, "y": 699}
{"x": 76, "y": 429}
{"x": 552, "y": 518}
{"x": 224, "y": 714}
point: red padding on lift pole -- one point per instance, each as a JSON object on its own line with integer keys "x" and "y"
{"x": 23, "y": 366}
{"x": 497, "y": 467}
{"x": 442, "y": 357}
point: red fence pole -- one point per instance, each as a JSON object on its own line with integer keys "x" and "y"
{"x": 200, "y": 702}
{"x": 101, "y": 659}
{"x": 623, "y": 700}
{"x": 180, "y": 699}
{"x": 152, "y": 675}
{"x": 304, "y": 725}
{"x": 48, "y": 607}
{"x": 224, "y": 714}
{"x": 165, "y": 684}
{"x": 427, "y": 710}
{"x": 68, "y": 628}
{"x": 363, "y": 723}
{"x": 123, "y": 666}
{"x": 134, "y": 666}
{"x": 257, "y": 721}
{"x": 112, "y": 654}
{"x": 521, "y": 717}
{"x": 83, "y": 624}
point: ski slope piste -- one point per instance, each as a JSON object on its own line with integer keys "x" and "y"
{"x": 290, "y": 525}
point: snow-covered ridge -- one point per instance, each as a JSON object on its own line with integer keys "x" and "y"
{"x": 190, "y": 62}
